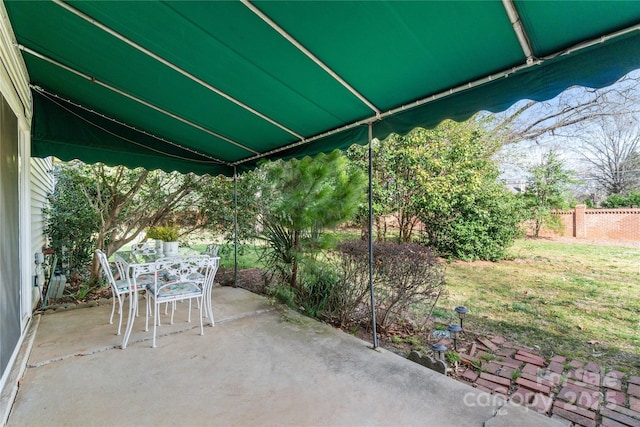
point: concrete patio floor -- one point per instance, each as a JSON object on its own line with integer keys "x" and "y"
{"x": 260, "y": 365}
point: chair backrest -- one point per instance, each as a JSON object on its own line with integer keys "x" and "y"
{"x": 106, "y": 268}
{"x": 144, "y": 247}
{"x": 181, "y": 268}
{"x": 210, "y": 273}
{"x": 212, "y": 250}
{"x": 120, "y": 266}
{"x": 137, "y": 270}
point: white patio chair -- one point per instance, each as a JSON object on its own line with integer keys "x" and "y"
{"x": 212, "y": 250}
{"x": 174, "y": 282}
{"x": 199, "y": 277}
{"x": 118, "y": 287}
{"x": 141, "y": 278}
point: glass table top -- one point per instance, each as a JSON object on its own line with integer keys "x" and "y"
{"x": 144, "y": 257}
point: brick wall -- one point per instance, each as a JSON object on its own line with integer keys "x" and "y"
{"x": 618, "y": 224}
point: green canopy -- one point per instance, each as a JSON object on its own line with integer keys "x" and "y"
{"x": 211, "y": 87}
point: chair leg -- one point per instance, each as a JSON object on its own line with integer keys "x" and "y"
{"x": 137, "y": 307}
{"x": 146, "y": 318}
{"x": 127, "y": 332}
{"x": 120, "y": 320}
{"x": 155, "y": 322}
{"x": 113, "y": 308}
{"x": 199, "y": 315}
{"x": 119, "y": 314}
{"x": 210, "y": 309}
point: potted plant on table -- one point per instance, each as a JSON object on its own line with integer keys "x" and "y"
{"x": 168, "y": 236}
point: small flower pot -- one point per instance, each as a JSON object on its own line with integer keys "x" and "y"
{"x": 170, "y": 248}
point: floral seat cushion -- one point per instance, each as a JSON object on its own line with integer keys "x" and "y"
{"x": 122, "y": 285}
{"x": 145, "y": 280}
{"x": 182, "y": 289}
{"x": 193, "y": 277}
{"x": 196, "y": 277}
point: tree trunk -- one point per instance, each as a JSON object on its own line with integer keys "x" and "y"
{"x": 95, "y": 270}
{"x": 536, "y": 228}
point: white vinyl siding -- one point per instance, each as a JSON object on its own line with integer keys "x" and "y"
{"x": 41, "y": 186}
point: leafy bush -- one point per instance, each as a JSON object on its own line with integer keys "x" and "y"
{"x": 470, "y": 227}
{"x": 283, "y": 294}
{"x": 466, "y": 212}
{"x": 318, "y": 282}
{"x": 622, "y": 201}
{"x": 348, "y": 304}
{"x": 71, "y": 222}
{"x": 403, "y": 275}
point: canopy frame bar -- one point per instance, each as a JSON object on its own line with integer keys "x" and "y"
{"x": 17, "y": 70}
{"x": 310, "y": 55}
{"x": 134, "y": 98}
{"x": 370, "y": 242}
{"x": 212, "y": 159}
{"x": 519, "y": 29}
{"x": 446, "y": 93}
{"x": 174, "y": 67}
{"x": 235, "y": 227}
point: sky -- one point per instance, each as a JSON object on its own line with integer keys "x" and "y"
{"x": 516, "y": 157}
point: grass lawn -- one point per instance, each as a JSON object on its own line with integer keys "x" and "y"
{"x": 248, "y": 255}
{"x": 579, "y": 301}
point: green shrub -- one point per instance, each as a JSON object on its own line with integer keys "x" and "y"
{"x": 318, "y": 281}
{"x": 283, "y": 294}
{"x": 469, "y": 227}
{"x": 622, "y": 201}
{"x": 71, "y": 224}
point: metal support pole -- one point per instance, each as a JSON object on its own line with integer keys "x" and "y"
{"x": 235, "y": 227}
{"x": 373, "y": 300}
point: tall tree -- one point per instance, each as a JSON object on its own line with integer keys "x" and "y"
{"x": 402, "y": 154}
{"x": 394, "y": 183}
{"x": 302, "y": 198}
{"x": 546, "y": 190}
{"x": 611, "y": 149}
{"x": 217, "y": 204}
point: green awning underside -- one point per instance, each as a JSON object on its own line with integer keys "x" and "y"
{"x": 207, "y": 86}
